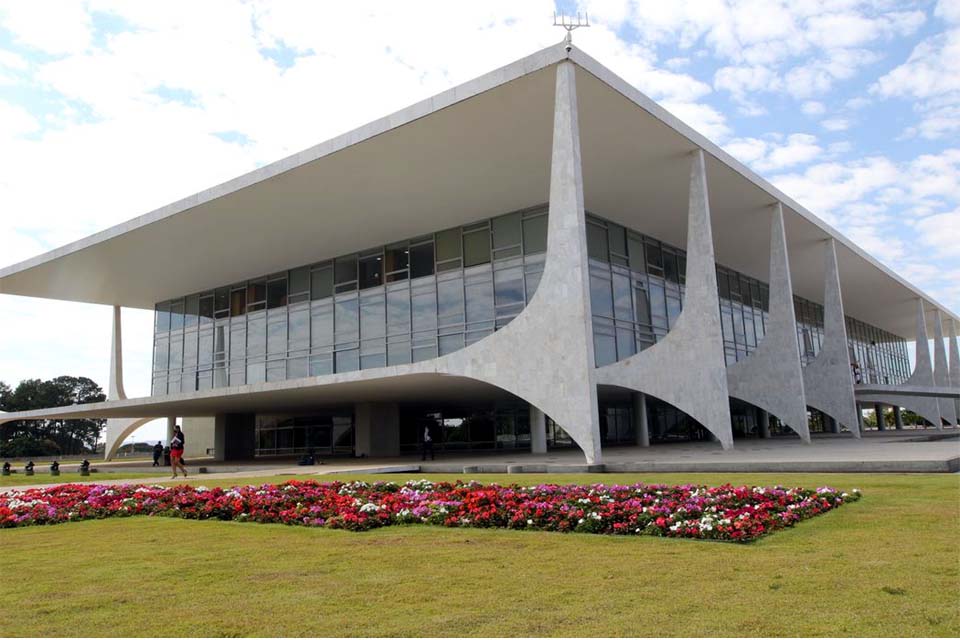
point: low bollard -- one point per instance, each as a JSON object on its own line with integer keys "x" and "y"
{"x": 28, "y": 468}
{"x": 85, "y": 468}
{"x": 6, "y": 469}
{"x": 55, "y": 468}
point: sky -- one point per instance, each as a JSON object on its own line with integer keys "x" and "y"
{"x": 111, "y": 109}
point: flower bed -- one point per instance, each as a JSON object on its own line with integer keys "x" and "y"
{"x": 738, "y": 514}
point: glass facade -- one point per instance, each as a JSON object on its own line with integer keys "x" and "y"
{"x": 636, "y": 292}
{"x": 429, "y": 296}
{"x": 405, "y": 302}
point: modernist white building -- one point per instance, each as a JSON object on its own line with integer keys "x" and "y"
{"x": 540, "y": 257}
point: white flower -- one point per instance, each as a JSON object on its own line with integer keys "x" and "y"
{"x": 529, "y": 522}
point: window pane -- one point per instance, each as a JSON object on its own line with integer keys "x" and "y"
{"x": 347, "y": 320}
{"x": 535, "y": 234}
{"x": 372, "y": 321}
{"x": 623, "y": 308}
{"x": 257, "y": 334}
{"x": 300, "y": 280}
{"x": 601, "y": 296}
{"x": 476, "y": 248}
{"x": 643, "y": 306}
{"x": 450, "y": 301}
{"x": 176, "y": 315}
{"x": 449, "y": 344}
{"x": 348, "y": 360}
{"x": 396, "y": 258}
{"x": 506, "y": 231}
{"x": 635, "y": 247}
{"x": 424, "y": 301}
{"x": 206, "y": 309}
{"x": 371, "y": 272}
{"x": 321, "y": 283}
{"x": 161, "y": 351}
{"x": 480, "y": 301}
{"x": 299, "y": 331}
{"x": 238, "y": 302}
{"x": 345, "y": 272}
{"x": 276, "y": 294}
{"x": 192, "y": 311}
{"x": 448, "y": 245}
{"x": 321, "y": 325}
{"x": 508, "y": 286}
{"x": 221, "y": 301}
{"x": 256, "y": 292}
{"x": 162, "y": 317}
{"x": 597, "y": 247}
{"x": 618, "y": 239}
{"x": 398, "y": 312}
{"x": 421, "y": 260}
{"x": 605, "y": 348}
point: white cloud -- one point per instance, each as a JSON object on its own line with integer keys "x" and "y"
{"x": 930, "y": 77}
{"x": 52, "y": 26}
{"x": 773, "y": 155}
{"x": 835, "y": 124}
{"x": 813, "y": 108}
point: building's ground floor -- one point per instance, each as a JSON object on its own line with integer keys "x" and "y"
{"x": 503, "y": 423}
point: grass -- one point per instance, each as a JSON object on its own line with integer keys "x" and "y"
{"x": 19, "y": 478}
{"x": 885, "y": 566}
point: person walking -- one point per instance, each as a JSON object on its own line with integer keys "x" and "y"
{"x": 157, "y": 453}
{"x": 427, "y": 444}
{"x": 176, "y": 451}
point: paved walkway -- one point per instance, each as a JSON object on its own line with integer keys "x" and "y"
{"x": 887, "y": 452}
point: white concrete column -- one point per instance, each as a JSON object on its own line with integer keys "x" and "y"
{"x": 922, "y": 376}
{"x": 827, "y": 380}
{"x": 878, "y": 409}
{"x": 764, "y": 424}
{"x": 954, "y": 349}
{"x": 897, "y": 418}
{"x": 941, "y": 372}
{"x": 687, "y": 368}
{"x": 641, "y": 426}
{"x": 116, "y": 391}
{"x": 772, "y": 376}
{"x": 860, "y": 418}
{"x": 171, "y": 423}
{"x": 538, "y": 430}
{"x": 117, "y": 429}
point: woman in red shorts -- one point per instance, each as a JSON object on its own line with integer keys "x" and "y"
{"x": 176, "y": 451}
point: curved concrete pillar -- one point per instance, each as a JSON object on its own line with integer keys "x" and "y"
{"x": 545, "y": 355}
{"x": 117, "y": 431}
{"x": 687, "y": 368}
{"x": 827, "y": 380}
{"x": 941, "y": 374}
{"x": 115, "y": 389}
{"x": 922, "y": 376}
{"x": 954, "y": 364}
{"x": 772, "y": 376}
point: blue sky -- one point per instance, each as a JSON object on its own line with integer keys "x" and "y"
{"x": 109, "y": 109}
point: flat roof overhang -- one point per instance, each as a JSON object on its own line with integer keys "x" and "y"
{"x": 390, "y": 384}
{"x": 477, "y": 150}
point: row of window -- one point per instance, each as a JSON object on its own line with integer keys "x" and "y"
{"x": 339, "y": 319}
{"x": 429, "y": 296}
{"x": 636, "y": 290}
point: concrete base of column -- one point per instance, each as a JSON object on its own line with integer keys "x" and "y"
{"x": 640, "y": 425}
{"x": 538, "y": 430}
{"x": 171, "y": 421}
{"x": 860, "y": 418}
{"x": 897, "y": 418}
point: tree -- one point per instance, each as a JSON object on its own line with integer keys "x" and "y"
{"x": 65, "y": 436}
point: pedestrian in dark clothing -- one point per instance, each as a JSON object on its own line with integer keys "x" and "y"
{"x": 427, "y": 444}
{"x": 157, "y": 453}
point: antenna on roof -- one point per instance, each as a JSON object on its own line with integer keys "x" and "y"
{"x": 570, "y": 23}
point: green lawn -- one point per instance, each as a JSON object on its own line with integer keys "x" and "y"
{"x": 887, "y": 565}
{"x": 19, "y": 478}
